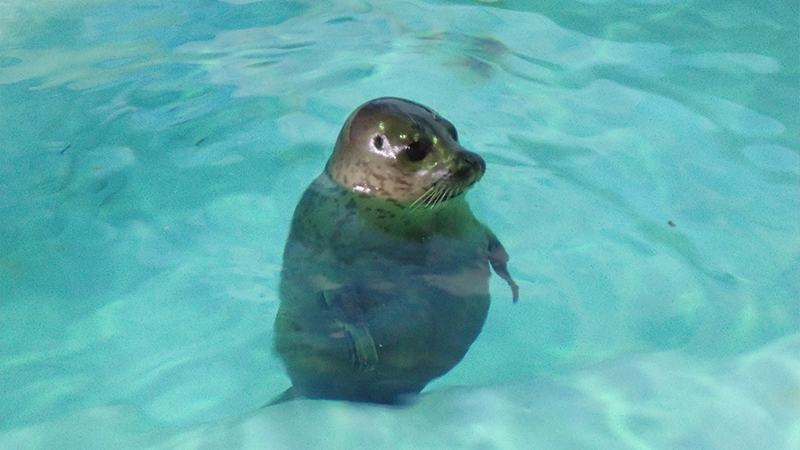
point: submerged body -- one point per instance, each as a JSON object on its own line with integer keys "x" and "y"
{"x": 385, "y": 280}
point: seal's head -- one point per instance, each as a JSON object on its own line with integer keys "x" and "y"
{"x": 403, "y": 152}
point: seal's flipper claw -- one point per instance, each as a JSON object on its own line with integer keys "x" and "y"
{"x": 362, "y": 346}
{"x": 498, "y": 258}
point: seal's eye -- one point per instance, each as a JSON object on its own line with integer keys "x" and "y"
{"x": 417, "y": 151}
{"x": 377, "y": 141}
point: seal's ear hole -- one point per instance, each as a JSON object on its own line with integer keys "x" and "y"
{"x": 417, "y": 151}
{"x": 377, "y": 141}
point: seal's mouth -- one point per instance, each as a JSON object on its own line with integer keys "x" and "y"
{"x": 469, "y": 170}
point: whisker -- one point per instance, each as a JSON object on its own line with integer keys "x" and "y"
{"x": 437, "y": 194}
{"x": 415, "y": 203}
{"x": 451, "y": 193}
{"x": 436, "y": 199}
{"x": 454, "y": 191}
{"x": 431, "y": 198}
{"x": 445, "y": 194}
{"x": 422, "y": 200}
{"x": 441, "y": 196}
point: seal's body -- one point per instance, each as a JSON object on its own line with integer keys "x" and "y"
{"x": 385, "y": 280}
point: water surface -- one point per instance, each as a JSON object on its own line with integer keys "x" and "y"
{"x": 643, "y": 171}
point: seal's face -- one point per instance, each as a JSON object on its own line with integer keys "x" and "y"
{"x": 404, "y": 152}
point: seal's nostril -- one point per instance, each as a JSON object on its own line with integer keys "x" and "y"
{"x": 473, "y": 166}
{"x": 473, "y": 159}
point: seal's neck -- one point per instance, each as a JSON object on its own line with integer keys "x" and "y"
{"x": 451, "y": 218}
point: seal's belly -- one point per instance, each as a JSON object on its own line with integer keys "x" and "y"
{"x": 382, "y": 321}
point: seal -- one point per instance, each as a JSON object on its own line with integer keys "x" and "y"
{"x": 385, "y": 279}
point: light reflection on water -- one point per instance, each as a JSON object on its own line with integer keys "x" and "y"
{"x": 152, "y": 156}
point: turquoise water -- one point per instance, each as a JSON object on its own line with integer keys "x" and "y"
{"x": 643, "y": 172}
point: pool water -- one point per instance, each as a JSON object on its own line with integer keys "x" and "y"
{"x": 643, "y": 172}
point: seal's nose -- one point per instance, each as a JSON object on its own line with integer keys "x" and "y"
{"x": 472, "y": 167}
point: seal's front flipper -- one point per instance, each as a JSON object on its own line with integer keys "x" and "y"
{"x": 498, "y": 258}
{"x": 349, "y": 315}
